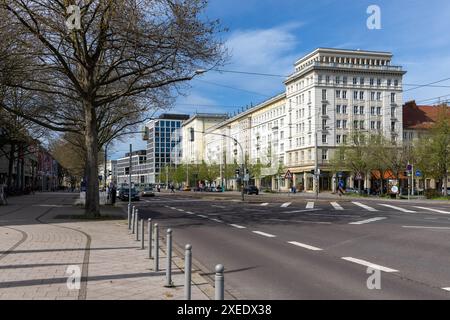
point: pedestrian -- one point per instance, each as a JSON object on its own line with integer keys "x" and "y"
{"x": 172, "y": 188}
{"x": 158, "y": 187}
{"x": 113, "y": 191}
{"x": 341, "y": 188}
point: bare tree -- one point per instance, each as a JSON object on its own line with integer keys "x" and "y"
{"x": 127, "y": 57}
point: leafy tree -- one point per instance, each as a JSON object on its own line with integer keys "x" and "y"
{"x": 98, "y": 80}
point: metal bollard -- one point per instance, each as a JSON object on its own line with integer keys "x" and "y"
{"x": 129, "y": 217}
{"x": 142, "y": 234}
{"x": 187, "y": 272}
{"x": 137, "y": 224}
{"x": 156, "y": 264}
{"x": 133, "y": 218}
{"x": 220, "y": 290}
{"x": 169, "y": 259}
{"x": 150, "y": 238}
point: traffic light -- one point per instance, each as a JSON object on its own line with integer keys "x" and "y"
{"x": 192, "y": 133}
{"x": 238, "y": 172}
{"x": 109, "y": 173}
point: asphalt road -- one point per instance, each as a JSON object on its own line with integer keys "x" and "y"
{"x": 306, "y": 249}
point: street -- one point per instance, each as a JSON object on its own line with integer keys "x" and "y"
{"x": 307, "y": 249}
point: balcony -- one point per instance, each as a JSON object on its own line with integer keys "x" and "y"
{"x": 357, "y": 66}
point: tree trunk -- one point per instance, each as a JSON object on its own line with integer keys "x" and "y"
{"x": 92, "y": 208}
{"x": 10, "y": 165}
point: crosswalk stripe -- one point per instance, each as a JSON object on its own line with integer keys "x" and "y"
{"x": 337, "y": 206}
{"x": 397, "y": 208}
{"x": 367, "y": 221}
{"x": 285, "y": 205}
{"x": 264, "y": 204}
{"x": 365, "y": 207}
{"x": 310, "y": 205}
{"x": 433, "y": 210}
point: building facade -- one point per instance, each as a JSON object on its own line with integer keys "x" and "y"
{"x": 139, "y": 169}
{"x": 164, "y": 144}
{"x": 332, "y": 95}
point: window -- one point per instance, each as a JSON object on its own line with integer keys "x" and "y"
{"x": 338, "y": 94}
{"x": 338, "y": 124}
{"x": 338, "y": 80}
{"x": 355, "y": 124}
{"x": 393, "y": 96}
{"x": 372, "y": 96}
{"x": 309, "y": 126}
{"x": 355, "y": 110}
{"x": 344, "y": 109}
{"x": 361, "y": 110}
{"x": 328, "y": 79}
{"x": 324, "y": 124}
{"x": 344, "y": 124}
{"x": 355, "y": 95}
{"x": 372, "y": 125}
{"x": 282, "y": 135}
{"x": 362, "y": 125}
{"x": 344, "y": 94}
{"x": 344, "y": 139}
{"x": 389, "y": 82}
{"x": 338, "y": 109}
{"x": 320, "y": 78}
{"x": 355, "y": 81}
{"x": 324, "y": 109}
{"x": 344, "y": 80}
{"x": 362, "y": 80}
{"x": 393, "y": 112}
{"x": 378, "y": 82}
{"x": 393, "y": 125}
{"x": 372, "y": 111}
{"x": 338, "y": 139}
{"x": 324, "y": 138}
{"x": 309, "y": 96}
{"x": 361, "y": 95}
{"x": 372, "y": 81}
{"x": 378, "y": 125}
{"x": 395, "y": 83}
{"x": 324, "y": 154}
{"x": 378, "y": 96}
{"x": 379, "y": 111}
{"x": 324, "y": 95}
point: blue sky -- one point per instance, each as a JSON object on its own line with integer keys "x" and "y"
{"x": 268, "y": 36}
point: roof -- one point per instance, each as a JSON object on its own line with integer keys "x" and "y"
{"x": 344, "y": 51}
{"x": 420, "y": 117}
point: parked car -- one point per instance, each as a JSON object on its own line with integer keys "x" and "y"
{"x": 124, "y": 194}
{"x": 251, "y": 190}
{"x": 147, "y": 192}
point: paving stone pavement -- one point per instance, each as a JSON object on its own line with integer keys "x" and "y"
{"x": 37, "y": 251}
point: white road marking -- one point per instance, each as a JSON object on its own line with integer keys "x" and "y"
{"x": 365, "y": 207}
{"x": 368, "y": 221}
{"x": 337, "y": 206}
{"x": 264, "y": 204}
{"x": 181, "y": 210}
{"x": 217, "y": 220}
{"x": 423, "y": 227}
{"x": 220, "y": 207}
{"x": 310, "y": 205}
{"x": 446, "y": 289}
{"x": 397, "y": 208}
{"x": 305, "y": 246}
{"x": 191, "y": 213}
{"x": 268, "y": 235}
{"x": 238, "y": 226}
{"x": 285, "y": 205}
{"x": 369, "y": 264}
{"x": 433, "y": 210}
{"x": 303, "y": 211}
{"x": 202, "y": 216}
{"x": 300, "y": 221}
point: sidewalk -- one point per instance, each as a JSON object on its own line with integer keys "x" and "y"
{"x": 38, "y": 243}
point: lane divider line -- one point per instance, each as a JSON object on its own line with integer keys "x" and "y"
{"x": 264, "y": 204}
{"x": 237, "y": 226}
{"x": 268, "y": 235}
{"x": 369, "y": 264}
{"x": 285, "y": 205}
{"x": 202, "y": 216}
{"x": 367, "y": 221}
{"x": 446, "y": 289}
{"x": 305, "y": 246}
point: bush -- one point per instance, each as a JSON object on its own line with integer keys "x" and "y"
{"x": 432, "y": 193}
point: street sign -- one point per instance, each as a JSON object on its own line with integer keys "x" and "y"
{"x": 288, "y": 175}
{"x": 394, "y": 189}
{"x": 409, "y": 167}
{"x": 418, "y": 173}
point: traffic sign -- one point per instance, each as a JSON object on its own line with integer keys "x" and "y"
{"x": 418, "y": 173}
{"x": 394, "y": 189}
{"x": 288, "y": 175}
{"x": 409, "y": 167}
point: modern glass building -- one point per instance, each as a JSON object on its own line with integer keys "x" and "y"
{"x": 163, "y": 144}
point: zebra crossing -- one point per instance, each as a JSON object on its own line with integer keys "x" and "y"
{"x": 336, "y": 206}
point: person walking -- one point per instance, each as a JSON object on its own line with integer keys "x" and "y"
{"x": 172, "y": 188}
{"x": 341, "y": 188}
